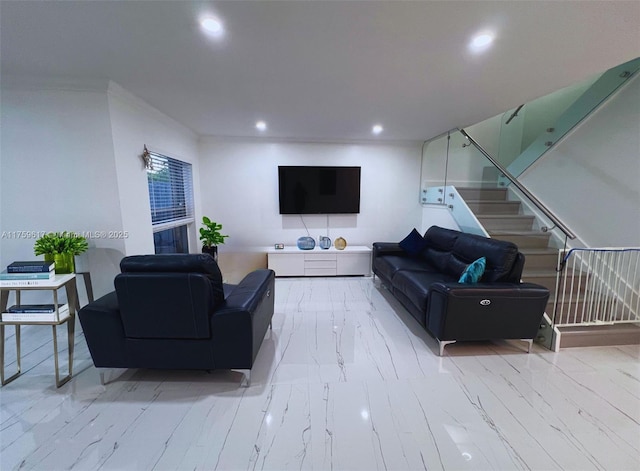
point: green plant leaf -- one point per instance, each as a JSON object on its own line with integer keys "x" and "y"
{"x": 210, "y": 233}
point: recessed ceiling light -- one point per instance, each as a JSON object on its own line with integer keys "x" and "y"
{"x": 481, "y": 42}
{"x": 377, "y": 129}
{"x": 213, "y": 26}
{"x": 261, "y": 126}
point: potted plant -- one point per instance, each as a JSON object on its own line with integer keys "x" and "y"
{"x": 61, "y": 247}
{"x": 210, "y": 236}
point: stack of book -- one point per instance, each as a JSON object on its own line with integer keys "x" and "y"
{"x": 36, "y": 313}
{"x": 31, "y": 273}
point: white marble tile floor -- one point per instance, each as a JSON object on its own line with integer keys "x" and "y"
{"x": 346, "y": 380}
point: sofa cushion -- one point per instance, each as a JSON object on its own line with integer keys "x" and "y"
{"x": 473, "y": 272}
{"x": 414, "y": 243}
{"x": 500, "y": 256}
{"x": 440, "y": 242}
{"x": 389, "y": 265}
{"x": 415, "y": 285}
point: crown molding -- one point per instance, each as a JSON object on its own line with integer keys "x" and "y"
{"x": 33, "y": 83}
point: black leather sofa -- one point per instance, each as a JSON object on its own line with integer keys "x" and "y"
{"x": 173, "y": 312}
{"x": 425, "y": 281}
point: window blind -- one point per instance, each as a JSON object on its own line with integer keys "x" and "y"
{"x": 170, "y": 192}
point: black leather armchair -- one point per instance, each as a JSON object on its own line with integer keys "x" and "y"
{"x": 173, "y": 312}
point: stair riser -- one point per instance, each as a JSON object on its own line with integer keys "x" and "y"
{"x": 525, "y": 241}
{"x": 550, "y": 282}
{"x": 599, "y": 338}
{"x": 540, "y": 261}
{"x": 572, "y": 313}
{"x": 488, "y": 207}
{"x": 485, "y": 194}
{"x": 520, "y": 224}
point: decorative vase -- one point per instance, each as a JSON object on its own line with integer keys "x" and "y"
{"x": 211, "y": 250}
{"x": 340, "y": 243}
{"x": 65, "y": 262}
{"x": 306, "y": 243}
{"x": 324, "y": 242}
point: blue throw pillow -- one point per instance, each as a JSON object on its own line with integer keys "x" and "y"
{"x": 414, "y": 243}
{"x": 473, "y": 272}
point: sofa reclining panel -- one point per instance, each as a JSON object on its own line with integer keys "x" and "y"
{"x": 487, "y": 312}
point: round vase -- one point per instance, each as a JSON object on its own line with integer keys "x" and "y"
{"x": 340, "y": 243}
{"x": 324, "y": 242}
{"x": 65, "y": 262}
{"x": 306, "y": 243}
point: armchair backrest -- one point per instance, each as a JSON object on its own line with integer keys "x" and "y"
{"x": 168, "y": 296}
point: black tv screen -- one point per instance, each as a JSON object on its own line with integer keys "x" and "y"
{"x": 319, "y": 190}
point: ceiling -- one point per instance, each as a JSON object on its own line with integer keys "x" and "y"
{"x": 321, "y": 70}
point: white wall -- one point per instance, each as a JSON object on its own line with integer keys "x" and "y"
{"x": 239, "y": 187}
{"x": 134, "y": 123}
{"x": 591, "y": 179}
{"x": 58, "y": 173}
{"x": 75, "y": 147}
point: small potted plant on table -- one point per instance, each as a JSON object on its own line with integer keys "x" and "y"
{"x": 61, "y": 248}
{"x": 211, "y": 237}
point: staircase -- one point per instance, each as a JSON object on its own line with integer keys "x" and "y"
{"x": 504, "y": 219}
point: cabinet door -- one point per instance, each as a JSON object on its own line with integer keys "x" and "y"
{"x": 354, "y": 264}
{"x": 286, "y": 264}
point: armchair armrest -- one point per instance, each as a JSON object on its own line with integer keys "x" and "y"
{"x": 104, "y": 332}
{"x": 239, "y": 325}
{"x": 387, "y": 248}
{"x": 486, "y": 311}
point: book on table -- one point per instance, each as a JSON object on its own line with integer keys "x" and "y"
{"x": 50, "y": 275}
{"x": 18, "y": 283}
{"x": 34, "y": 308}
{"x": 35, "y": 316}
{"x": 30, "y": 266}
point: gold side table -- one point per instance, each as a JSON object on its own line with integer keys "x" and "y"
{"x": 67, "y": 281}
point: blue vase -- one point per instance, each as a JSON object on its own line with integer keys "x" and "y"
{"x": 306, "y": 243}
{"x": 325, "y": 242}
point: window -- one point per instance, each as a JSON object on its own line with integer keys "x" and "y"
{"x": 171, "y": 197}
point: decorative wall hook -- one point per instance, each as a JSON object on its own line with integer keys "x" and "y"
{"x": 146, "y": 158}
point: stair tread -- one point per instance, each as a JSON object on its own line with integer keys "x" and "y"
{"x": 504, "y": 216}
{"x": 518, "y": 232}
{"x": 492, "y": 201}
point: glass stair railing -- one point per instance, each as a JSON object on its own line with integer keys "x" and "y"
{"x": 529, "y": 131}
{"x": 495, "y": 152}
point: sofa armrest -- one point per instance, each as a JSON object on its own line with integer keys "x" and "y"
{"x": 387, "y": 248}
{"x": 485, "y": 311}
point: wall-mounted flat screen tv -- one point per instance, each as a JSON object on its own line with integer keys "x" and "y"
{"x": 319, "y": 190}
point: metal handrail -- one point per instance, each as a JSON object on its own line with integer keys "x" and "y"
{"x": 519, "y": 186}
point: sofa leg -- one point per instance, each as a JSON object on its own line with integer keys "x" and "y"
{"x": 529, "y": 344}
{"x": 103, "y": 379}
{"x": 246, "y": 380}
{"x": 444, "y": 343}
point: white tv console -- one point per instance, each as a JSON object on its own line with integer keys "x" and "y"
{"x": 291, "y": 261}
